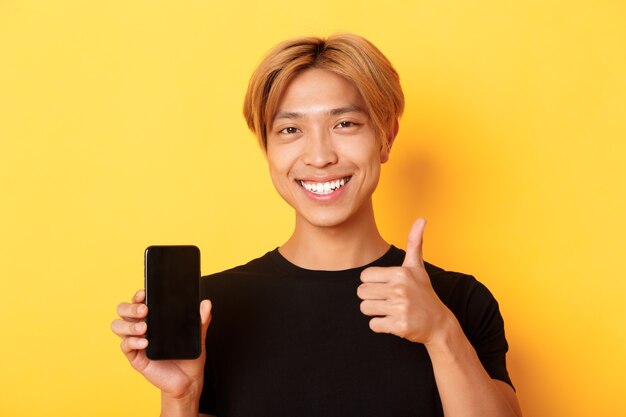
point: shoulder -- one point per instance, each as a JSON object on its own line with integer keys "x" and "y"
{"x": 455, "y": 286}
{"x": 472, "y": 303}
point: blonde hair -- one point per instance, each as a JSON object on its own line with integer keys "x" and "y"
{"x": 351, "y": 56}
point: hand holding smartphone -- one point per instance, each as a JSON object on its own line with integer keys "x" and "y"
{"x": 172, "y": 279}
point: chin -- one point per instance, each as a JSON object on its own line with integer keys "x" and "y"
{"x": 326, "y": 223}
{"x": 324, "y": 220}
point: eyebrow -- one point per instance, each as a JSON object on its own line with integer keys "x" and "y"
{"x": 332, "y": 112}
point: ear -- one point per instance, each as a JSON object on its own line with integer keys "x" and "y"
{"x": 391, "y": 137}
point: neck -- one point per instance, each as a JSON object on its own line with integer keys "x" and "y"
{"x": 353, "y": 243}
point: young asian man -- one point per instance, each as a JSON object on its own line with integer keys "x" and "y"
{"x": 336, "y": 321}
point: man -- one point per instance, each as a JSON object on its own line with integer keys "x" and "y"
{"x": 336, "y": 321}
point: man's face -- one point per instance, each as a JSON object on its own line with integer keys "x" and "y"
{"x": 323, "y": 156}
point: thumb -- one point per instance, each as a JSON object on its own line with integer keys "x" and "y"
{"x": 205, "y": 317}
{"x": 414, "y": 256}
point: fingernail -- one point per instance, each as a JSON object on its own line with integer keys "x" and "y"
{"x": 142, "y": 309}
{"x": 139, "y": 327}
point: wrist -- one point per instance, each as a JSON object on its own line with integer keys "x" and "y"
{"x": 446, "y": 341}
{"x": 184, "y": 405}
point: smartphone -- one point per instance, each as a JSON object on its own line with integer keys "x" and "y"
{"x": 172, "y": 280}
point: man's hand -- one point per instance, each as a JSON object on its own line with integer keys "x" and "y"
{"x": 177, "y": 379}
{"x": 401, "y": 299}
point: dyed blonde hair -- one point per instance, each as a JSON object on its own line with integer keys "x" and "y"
{"x": 351, "y": 56}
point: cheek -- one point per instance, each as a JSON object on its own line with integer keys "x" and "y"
{"x": 276, "y": 158}
{"x": 366, "y": 155}
{"x": 280, "y": 162}
{"x": 370, "y": 161}
{"x": 283, "y": 157}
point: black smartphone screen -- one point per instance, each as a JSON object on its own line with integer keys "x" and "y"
{"x": 172, "y": 279}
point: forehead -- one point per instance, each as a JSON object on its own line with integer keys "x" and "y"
{"x": 317, "y": 90}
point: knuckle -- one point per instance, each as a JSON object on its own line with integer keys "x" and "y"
{"x": 402, "y": 309}
{"x": 400, "y": 273}
{"x": 367, "y": 308}
{"x": 129, "y": 344}
{"x": 138, "y": 296}
{"x": 139, "y": 328}
{"x": 374, "y": 326}
{"x": 400, "y": 290}
{"x": 120, "y": 309}
{"x": 365, "y": 274}
{"x": 117, "y": 326}
{"x": 402, "y": 328}
{"x": 360, "y": 289}
{"x": 139, "y": 310}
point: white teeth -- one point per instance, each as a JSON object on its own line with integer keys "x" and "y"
{"x": 326, "y": 187}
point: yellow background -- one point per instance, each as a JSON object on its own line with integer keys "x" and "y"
{"x": 120, "y": 127}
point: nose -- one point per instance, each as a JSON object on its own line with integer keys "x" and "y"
{"x": 319, "y": 150}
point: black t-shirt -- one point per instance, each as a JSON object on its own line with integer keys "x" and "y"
{"x": 287, "y": 341}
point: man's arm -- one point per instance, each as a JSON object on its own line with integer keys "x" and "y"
{"x": 509, "y": 394}
{"x": 403, "y": 302}
{"x": 465, "y": 388}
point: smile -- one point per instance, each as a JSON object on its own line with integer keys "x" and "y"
{"x": 323, "y": 188}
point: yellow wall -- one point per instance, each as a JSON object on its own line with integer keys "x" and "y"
{"x": 120, "y": 127}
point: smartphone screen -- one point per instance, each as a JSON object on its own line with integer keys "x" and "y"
{"x": 172, "y": 279}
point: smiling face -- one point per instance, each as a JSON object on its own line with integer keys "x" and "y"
{"x": 323, "y": 154}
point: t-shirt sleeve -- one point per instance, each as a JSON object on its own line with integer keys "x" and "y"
{"x": 484, "y": 327}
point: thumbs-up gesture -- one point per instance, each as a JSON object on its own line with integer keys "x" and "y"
{"x": 401, "y": 299}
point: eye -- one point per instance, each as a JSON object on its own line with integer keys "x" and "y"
{"x": 290, "y": 130}
{"x": 346, "y": 124}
